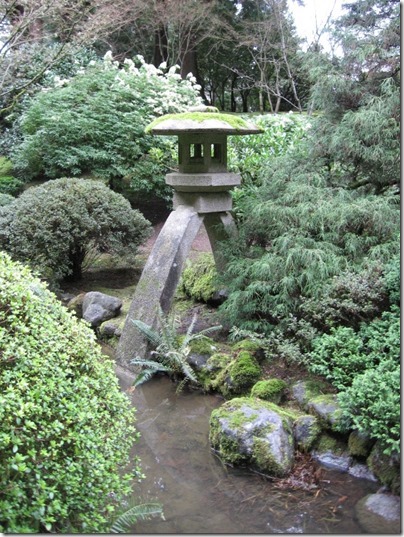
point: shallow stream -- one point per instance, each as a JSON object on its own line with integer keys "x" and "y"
{"x": 201, "y": 495}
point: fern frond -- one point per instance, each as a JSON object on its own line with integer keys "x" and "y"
{"x": 152, "y": 335}
{"x": 127, "y": 520}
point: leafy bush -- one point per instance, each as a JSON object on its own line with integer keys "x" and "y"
{"x": 348, "y": 299}
{"x": 281, "y": 133}
{"x": 198, "y": 278}
{"x": 66, "y": 429}
{"x": 94, "y": 124}
{"x": 372, "y": 404}
{"x": 8, "y": 184}
{"x": 6, "y": 199}
{"x": 365, "y": 367}
{"x": 339, "y": 356}
{"x": 58, "y": 225}
{"x": 297, "y": 235}
{"x": 343, "y": 354}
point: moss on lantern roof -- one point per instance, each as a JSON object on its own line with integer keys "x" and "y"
{"x": 208, "y": 119}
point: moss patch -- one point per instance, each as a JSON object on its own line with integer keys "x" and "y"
{"x": 235, "y": 122}
{"x": 269, "y": 390}
{"x": 244, "y": 372}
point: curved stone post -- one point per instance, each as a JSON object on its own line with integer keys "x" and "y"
{"x": 159, "y": 280}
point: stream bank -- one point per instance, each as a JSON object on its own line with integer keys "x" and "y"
{"x": 201, "y": 495}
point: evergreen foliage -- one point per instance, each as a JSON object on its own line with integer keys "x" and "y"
{"x": 58, "y": 225}
{"x": 299, "y": 234}
{"x": 66, "y": 428}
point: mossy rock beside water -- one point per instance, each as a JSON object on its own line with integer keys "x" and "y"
{"x": 255, "y": 432}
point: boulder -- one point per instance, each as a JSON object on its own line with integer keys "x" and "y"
{"x": 306, "y": 431}
{"x": 360, "y": 444}
{"x": 327, "y": 409}
{"x": 304, "y": 390}
{"x": 332, "y": 453}
{"x": 76, "y": 304}
{"x": 253, "y": 432}
{"x": 379, "y": 513}
{"x": 99, "y": 307}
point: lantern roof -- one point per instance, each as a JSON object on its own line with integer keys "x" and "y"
{"x": 201, "y": 119}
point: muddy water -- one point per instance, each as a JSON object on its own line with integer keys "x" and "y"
{"x": 200, "y": 495}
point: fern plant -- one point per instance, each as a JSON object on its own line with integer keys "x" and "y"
{"x": 145, "y": 511}
{"x": 171, "y": 350}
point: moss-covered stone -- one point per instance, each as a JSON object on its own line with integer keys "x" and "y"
{"x": 327, "y": 409}
{"x": 204, "y": 345}
{"x": 385, "y": 468}
{"x": 198, "y": 278}
{"x": 212, "y": 375}
{"x": 253, "y": 431}
{"x": 359, "y": 444}
{"x": 243, "y": 373}
{"x": 246, "y": 345}
{"x": 306, "y": 430}
{"x": 304, "y": 390}
{"x": 269, "y": 390}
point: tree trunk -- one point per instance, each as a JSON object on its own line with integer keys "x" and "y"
{"x": 160, "y": 46}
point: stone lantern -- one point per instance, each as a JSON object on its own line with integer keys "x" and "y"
{"x": 201, "y": 195}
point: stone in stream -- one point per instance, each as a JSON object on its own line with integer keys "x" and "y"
{"x": 255, "y": 432}
{"x": 99, "y": 307}
{"x": 379, "y": 513}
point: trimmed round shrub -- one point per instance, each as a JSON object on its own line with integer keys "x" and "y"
{"x": 269, "y": 390}
{"x": 58, "y": 226}
{"x": 66, "y": 429}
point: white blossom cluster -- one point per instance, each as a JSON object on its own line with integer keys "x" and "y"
{"x": 164, "y": 91}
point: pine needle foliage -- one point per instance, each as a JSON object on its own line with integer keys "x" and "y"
{"x": 171, "y": 350}
{"x": 300, "y": 233}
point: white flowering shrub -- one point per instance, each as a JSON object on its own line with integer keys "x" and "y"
{"x": 93, "y": 124}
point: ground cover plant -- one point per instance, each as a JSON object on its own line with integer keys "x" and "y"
{"x": 60, "y": 226}
{"x": 66, "y": 428}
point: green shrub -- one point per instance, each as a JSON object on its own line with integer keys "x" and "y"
{"x": 372, "y": 404}
{"x": 59, "y": 225}
{"x": 281, "y": 133}
{"x": 365, "y": 367}
{"x": 269, "y": 390}
{"x": 343, "y": 354}
{"x": 94, "y": 124}
{"x": 299, "y": 235}
{"x": 66, "y": 429}
{"x": 349, "y": 299}
{"x": 338, "y": 356}
{"x": 6, "y": 199}
{"x": 8, "y": 184}
{"x": 198, "y": 278}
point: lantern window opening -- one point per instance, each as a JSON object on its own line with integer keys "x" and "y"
{"x": 216, "y": 152}
{"x": 196, "y": 151}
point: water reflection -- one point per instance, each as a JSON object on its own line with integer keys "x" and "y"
{"x": 200, "y": 495}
